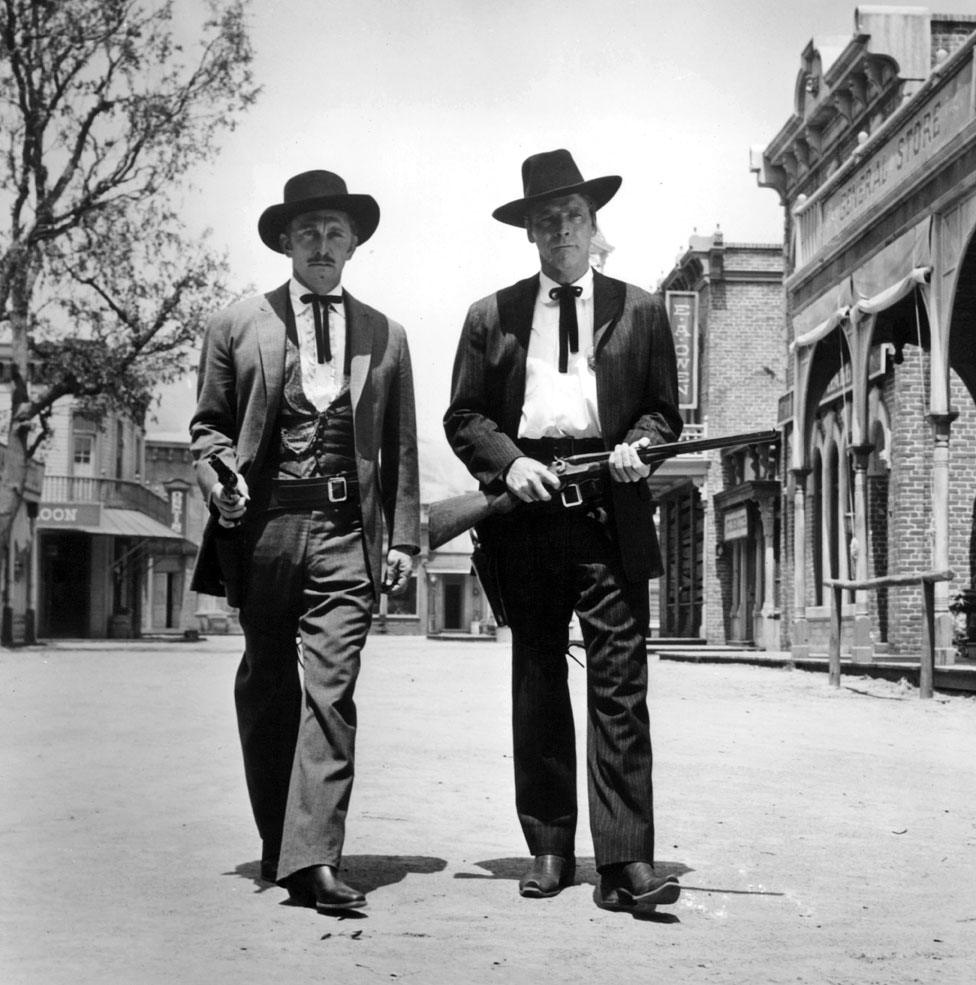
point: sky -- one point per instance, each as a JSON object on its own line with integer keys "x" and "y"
{"x": 431, "y": 106}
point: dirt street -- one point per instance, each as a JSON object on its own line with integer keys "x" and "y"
{"x": 822, "y": 836}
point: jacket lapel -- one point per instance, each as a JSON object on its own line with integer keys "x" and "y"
{"x": 271, "y": 346}
{"x": 360, "y": 342}
{"x": 608, "y": 303}
{"x": 516, "y": 306}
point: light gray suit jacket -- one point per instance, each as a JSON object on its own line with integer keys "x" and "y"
{"x": 239, "y": 392}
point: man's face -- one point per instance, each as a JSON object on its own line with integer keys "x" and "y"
{"x": 319, "y": 244}
{"x": 562, "y": 228}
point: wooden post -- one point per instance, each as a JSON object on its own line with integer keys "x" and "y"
{"x": 926, "y": 672}
{"x": 836, "y": 601}
{"x": 928, "y": 580}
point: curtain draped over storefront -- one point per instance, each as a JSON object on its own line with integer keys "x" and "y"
{"x": 880, "y": 282}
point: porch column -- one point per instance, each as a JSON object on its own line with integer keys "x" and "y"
{"x": 770, "y": 639}
{"x": 800, "y": 645}
{"x": 862, "y": 646}
{"x": 709, "y": 573}
{"x": 941, "y": 425}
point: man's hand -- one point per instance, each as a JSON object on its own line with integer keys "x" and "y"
{"x": 625, "y": 463}
{"x": 230, "y": 503}
{"x": 399, "y": 565}
{"x": 528, "y": 480}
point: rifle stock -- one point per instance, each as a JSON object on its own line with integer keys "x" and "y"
{"x": 449, "y": 518}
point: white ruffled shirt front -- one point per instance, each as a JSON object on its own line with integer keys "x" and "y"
{"x": 560, "y": 404}
{"x": 322, "y": 382}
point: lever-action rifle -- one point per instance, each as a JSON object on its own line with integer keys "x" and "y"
{"x": 450, "y": 517}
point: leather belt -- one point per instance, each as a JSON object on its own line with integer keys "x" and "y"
{"x": 317, "y": 493}
{"x": 580, "y": 492}
{"x": 547, "y": 449}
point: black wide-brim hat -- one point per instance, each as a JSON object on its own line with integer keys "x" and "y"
{"x": 309, "y": 192}
{"x": 553, "y": 174}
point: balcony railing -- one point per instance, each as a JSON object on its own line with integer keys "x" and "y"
{"x": 692, "y": 432}
{"x": 118, "y": 493}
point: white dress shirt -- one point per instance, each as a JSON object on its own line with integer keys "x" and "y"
{"x": 560, "y": 404}
{"x": 322, "y": 382}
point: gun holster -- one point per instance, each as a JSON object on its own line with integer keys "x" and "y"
{"x": 232, "y": 560}
{"x": 486, "y": 568}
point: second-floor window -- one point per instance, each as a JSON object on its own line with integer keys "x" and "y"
{"x": 119, "y": 449}
{"x": 83, "y": 449}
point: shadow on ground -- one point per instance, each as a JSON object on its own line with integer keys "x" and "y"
{"x": 366, "y": 872}
{"x": 514, "y": 868}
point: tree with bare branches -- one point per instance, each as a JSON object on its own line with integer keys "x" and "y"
{"x": 104, "y": 113}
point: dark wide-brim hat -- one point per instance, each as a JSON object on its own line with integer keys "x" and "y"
{"x": 553, "y": 174}
{"x": 309, "y": 192}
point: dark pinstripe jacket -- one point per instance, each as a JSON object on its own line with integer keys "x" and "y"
{"x": 636, "y": 384}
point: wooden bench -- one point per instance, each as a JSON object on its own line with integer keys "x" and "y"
{"x": 927, "y": 580}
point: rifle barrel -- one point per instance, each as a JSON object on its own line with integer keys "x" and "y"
{"x": 691, "y": 447}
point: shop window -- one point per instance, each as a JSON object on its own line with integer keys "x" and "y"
{"x": 405, "y": 604}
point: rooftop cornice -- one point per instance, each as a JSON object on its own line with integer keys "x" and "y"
{"x": 842, "y": 85}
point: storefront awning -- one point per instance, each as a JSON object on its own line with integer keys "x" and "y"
{"x": 451, "y": 564}
{"x": 91, "y": 518}
{"x": 891, "y": 295}
{"x": 866, "y": 306}
{"x": 820, "y": 331}
{"x": 878, "y": 283}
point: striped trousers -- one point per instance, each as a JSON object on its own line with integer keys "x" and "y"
{"x": 551, "y": 564}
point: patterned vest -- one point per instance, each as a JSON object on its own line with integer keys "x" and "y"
{"x": 312, "y": 443}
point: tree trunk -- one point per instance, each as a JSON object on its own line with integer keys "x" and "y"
{"x": 15, "y": 461}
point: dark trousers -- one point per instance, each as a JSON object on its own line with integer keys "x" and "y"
{"x": 307, "y": 579}
{"x": 549, "y": 565}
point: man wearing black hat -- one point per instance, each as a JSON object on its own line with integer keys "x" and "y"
{"x": 570, "y": 361}
{"x": 306, "y": 395}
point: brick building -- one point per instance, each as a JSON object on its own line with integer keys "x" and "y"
{"x": 876, "y": 169}
{"x": 718, "y": 517}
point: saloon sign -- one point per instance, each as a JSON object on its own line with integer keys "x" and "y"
{"x": 69, "y": 515}
{"x": 683, "y": 315}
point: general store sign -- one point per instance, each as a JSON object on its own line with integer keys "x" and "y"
{"x": 683, "y": 315}
{"x": 902, "y": 156}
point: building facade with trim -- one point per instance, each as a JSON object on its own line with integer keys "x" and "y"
{"x": 876, "y": 169}
{"x": 100, "y": 531}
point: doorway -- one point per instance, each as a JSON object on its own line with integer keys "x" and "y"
{"x": 65, "y": 585}
{"x": 682, "y": 589}
{"x": 454, "y": 602}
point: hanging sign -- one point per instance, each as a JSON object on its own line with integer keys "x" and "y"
{"x": 683, "y": 314}
{"x": 735, "y": 524}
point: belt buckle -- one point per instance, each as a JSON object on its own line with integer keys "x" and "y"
{"x": 338, "y": 489}
{"x": 569, "y": 501}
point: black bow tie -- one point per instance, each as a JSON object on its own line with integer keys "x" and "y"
{"x": 320, "y": 303}
{"x": 567, "y": 294}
